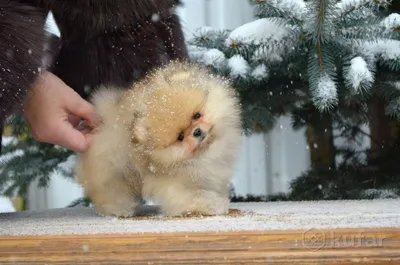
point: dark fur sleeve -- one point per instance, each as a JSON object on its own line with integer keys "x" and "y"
{"x": 51, "y": 48}
{"x": 21, "y": 49}
{"x": 171, "y": 32}
{"x": 114, "y": 42}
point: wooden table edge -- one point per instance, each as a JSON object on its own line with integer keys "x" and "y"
{"x": 311, "y": 246}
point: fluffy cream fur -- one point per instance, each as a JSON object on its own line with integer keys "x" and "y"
{"x": 147, "y": 147}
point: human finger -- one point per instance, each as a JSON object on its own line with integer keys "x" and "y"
{"x": 74, "y": 120}
{"x": 83, "y": 109}
{"x": 70, "y": 138}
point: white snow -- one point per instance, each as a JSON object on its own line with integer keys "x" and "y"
{"x": 196, "y": 52}
{"x": 208, "y": 32}
{"x": 273, "y": 53}
{"x": 383, "y": 194}
{"x": 359, "y": 73}
{"x": 347, "y": 5}
{"x": 294, "y": 8}
{"x": 69, "y": 163}
{"x": 273, "y": 38}
{"x": 261, "y": 217}
{"x": 257, "y": 32}
{"x": 155, "y": 17}
{"x": 87, "y": 89}
{"x": 213, "y": 57}
{"x": 389, "y": 50}
{"x": 6, "y": 205}
{"x": 391, "y": 21}
{"x": 326, "y": 90}
{"x": 260, "y": 72}
{"x": 206, "y": 56}
{"x": 238, "y": 65}
{"x": 204, "y": 30}
{"x": 396, "y": 84}
{"x": 5, "y": 157}
{"x": 386, "y": 49}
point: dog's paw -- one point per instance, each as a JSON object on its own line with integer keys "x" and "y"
{"x": 209, "y": 206}
{"x": 114, "y": 211}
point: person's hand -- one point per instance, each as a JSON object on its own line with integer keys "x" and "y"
{"x": 53, "y": 111}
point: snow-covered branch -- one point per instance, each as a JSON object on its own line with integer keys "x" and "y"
{"x": 346, "y": 7}
{"x": 358, "y": 76}
{"x": 289, "y": 9}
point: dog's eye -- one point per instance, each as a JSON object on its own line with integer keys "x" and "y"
{"x": 181, "y": 136}
{"x": 196, "y": 116}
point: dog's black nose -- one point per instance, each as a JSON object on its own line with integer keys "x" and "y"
{"x": 199, "y": 134}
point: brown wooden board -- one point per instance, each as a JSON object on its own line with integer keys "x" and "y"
{"x": 340, "y": 246}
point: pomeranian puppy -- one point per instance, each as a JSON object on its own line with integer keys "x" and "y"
{"x": 173, "y": 138}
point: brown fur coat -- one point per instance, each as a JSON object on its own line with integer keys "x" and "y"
{"x": 21, "y": 44}
{"x": 102, "y": 42}
{"x": 114, "y": 41}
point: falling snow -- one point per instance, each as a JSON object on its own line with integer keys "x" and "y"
{"x": 155, "y": 17}
{"x": 87, "y": 89}
{"x": 152, "y": 168}
{"x": 10, "y": 53}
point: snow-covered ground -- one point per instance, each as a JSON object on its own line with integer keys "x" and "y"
{"x": 256, "y": 217}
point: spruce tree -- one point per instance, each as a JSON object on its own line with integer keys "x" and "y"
{"x": 333, "y": 66}
{"x": 24, "y": 160}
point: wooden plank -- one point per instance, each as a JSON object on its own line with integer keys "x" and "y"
{"x": 338, "y": 246}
